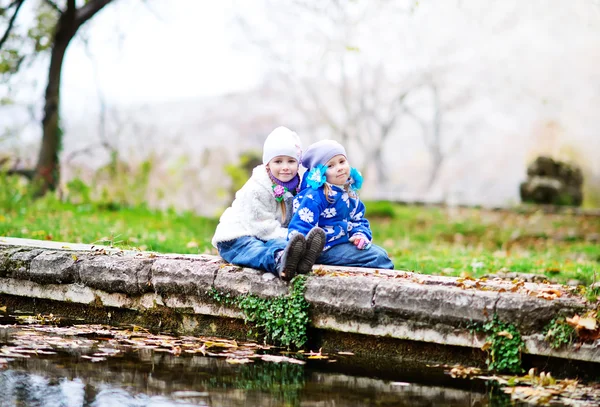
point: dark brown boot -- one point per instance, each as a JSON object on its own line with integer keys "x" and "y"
{"x": 293, "y": 253}
{"x": 315, "y": 241}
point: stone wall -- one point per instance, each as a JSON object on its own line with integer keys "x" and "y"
{"x": 374, "y": 303}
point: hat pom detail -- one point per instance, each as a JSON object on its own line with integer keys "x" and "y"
{"x": 316, "y": 177}
{"x": 356, "y": 179}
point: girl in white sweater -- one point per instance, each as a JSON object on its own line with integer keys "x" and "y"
{"x": 252, "y": 232}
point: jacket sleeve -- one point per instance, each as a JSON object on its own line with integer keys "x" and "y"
{"x": 306, "y": 215}
{"x": 360, "y": 225}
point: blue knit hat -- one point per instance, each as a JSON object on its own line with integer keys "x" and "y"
{"x": 320, "y": 152}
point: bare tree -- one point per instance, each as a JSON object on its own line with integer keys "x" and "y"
{"x": 349, "y": 90}
{"x": 61, "y": 24}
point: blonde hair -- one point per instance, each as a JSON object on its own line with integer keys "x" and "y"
{"x": 283, "y": 210}
{"x": 327, "y": 191}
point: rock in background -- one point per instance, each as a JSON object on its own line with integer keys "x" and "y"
{"x": 552, "y": 182}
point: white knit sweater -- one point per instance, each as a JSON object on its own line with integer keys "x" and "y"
{"x": 254, "y": 211}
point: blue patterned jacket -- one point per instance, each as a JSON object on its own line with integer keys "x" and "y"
{"x": 341, "y": 218}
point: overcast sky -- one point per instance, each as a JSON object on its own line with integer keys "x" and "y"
{"x": 164, "y": 51}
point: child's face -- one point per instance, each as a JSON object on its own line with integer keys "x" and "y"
{"x": 338, "y": 170}
{"x": 283, "y": 167}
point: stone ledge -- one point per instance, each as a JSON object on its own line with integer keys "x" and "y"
{"x": 395, "y": 304}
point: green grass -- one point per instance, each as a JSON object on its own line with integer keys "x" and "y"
{"x": 477, "y": 242}
{"x": 98, "y": 223}
{"x": 457, "y": 242}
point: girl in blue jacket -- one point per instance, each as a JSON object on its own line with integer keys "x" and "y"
{"x": 329, "y": 199}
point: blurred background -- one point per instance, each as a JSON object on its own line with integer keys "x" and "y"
{"x": 168, "y": 103}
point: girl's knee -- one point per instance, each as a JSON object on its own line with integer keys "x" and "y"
{"x": 380, "y": 258}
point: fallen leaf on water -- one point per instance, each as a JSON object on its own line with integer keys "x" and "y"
{"x": 278, "y": 359}
{"x": 189, "y": 394}
{"x": 317, "y": 355}
{"x": 93, "y": 359}
{"x": 215, "y": 344}
{"x": 235, "y": 361}
{"x": 463, "y": 371}
{"x": 400, "y": 384}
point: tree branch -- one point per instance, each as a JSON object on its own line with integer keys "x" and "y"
{"x": 11, "y": 22}
{"x": 54, "y": 6}
{"x": 25, "y": 173}
{"x": 86, "y": 12}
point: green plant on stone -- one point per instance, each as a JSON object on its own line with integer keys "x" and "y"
{"x": 283, "y": 320}
{"x": 559, "y": 333}
{"x": 593, "y": 290}
{"x": 503, "y": 345}
{"x": 220, "y": 297}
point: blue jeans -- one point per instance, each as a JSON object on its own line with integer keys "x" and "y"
{"x": 248, "y": 251}
{"x": 346, "y": 254}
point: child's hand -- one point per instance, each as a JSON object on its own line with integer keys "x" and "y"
{"x": 360, "y": 241}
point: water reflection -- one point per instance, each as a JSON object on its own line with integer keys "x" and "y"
{"x": 60, "y": 375}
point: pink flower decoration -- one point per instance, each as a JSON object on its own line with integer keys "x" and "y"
{"x": 278, "y": 192}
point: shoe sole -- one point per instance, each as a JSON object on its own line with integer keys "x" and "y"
{"x": 314, "y": 246}
{"x": 296, "y": 251}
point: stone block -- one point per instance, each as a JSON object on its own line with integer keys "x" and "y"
{"x": 433, "y": 304}
{"x": 20, "y": 263}
{"x": 52, "y": 267}
{"x": 532, "y": 314}
{"x": 188, "y": 277}
{"x": 115, "y": 274}
{"x": 237, "y": 281}
{"x": 342, "y": 295}
{"x": 6, "y": 267}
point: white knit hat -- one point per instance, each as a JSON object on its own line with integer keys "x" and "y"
{"x": 282, "y": 141}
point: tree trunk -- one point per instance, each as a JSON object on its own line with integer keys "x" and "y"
{"x": 47, "y": 171}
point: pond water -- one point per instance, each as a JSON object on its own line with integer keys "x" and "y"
{"x": 95, "y": 365}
